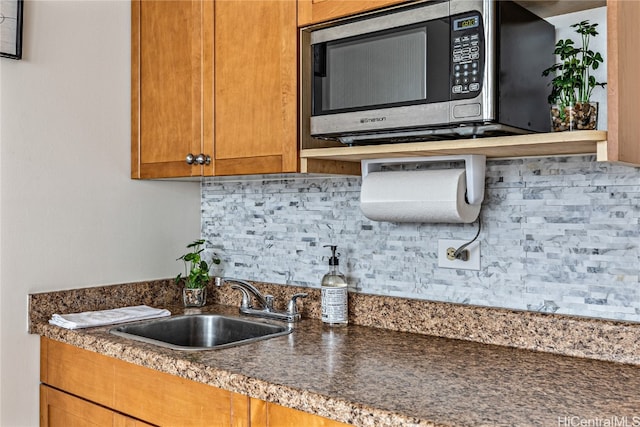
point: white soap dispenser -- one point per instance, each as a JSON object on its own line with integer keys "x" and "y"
{"x": 334, "y": 293}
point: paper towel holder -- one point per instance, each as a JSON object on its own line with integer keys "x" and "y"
{"x": 475, "y": 166}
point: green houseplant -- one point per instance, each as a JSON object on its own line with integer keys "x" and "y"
{"x": 196, "y": 275}
{"x": 573, "y": 82}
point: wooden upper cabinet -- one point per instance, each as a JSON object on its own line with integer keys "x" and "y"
{"x": 255, "y": 87}
{"x": 167, "y": 87}
{"x": 217, "y": 78}
{"x": 623, "y": 87}
{"x": 315, "y": 11}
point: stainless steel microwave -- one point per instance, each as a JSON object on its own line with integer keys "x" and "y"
{"x": 430, "y": 70}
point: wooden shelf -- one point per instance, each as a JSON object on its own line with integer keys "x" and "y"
{"x": 547, "y": 8}
{"x": 545, "y": 144}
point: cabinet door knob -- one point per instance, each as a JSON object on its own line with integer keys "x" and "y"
{"x": 190, "y": 159}
{"x": 203, "y": 159}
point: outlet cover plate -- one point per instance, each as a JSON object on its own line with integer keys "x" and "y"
{"x": 473, "y": 263}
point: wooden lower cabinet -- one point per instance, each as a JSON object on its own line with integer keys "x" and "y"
{"x": 59, "y": 409}
{"x": 279, "y": 416}
{"x": 84, "y": 388}
{"x": 141, "y": 393}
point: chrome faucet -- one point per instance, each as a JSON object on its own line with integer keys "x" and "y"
{"x": 265, "y": 302}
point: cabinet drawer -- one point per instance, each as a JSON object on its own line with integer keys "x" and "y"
{"x": 59, "y": 409}
{"x": 142, "y": 393}
{"x": 279, "y": 416}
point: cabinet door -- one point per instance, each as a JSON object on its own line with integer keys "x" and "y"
{"x": 623, "y": 85}
{"x": 168, "y": 64}
{"x": 279, "y": 416}
{"x": 255, "y": 87}
{"x": 315, "y": 11}
{"x": 139, "y": 392}
{"x": 59, "y": 409}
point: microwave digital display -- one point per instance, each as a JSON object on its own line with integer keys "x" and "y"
{"x": 466, "y": 23}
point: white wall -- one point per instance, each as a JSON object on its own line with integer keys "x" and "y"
{"x": 69, "y": 214}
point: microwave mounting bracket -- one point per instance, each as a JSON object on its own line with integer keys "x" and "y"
{"x": 475, "y": 166}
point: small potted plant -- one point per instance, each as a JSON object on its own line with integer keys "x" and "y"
{"x": 196, "y": 275}
{"x": 573, "y": 83}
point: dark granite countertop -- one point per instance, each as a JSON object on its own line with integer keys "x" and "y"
{"x": 368, "y": 376}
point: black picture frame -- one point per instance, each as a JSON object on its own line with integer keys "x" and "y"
{"x": 11, "y": 28}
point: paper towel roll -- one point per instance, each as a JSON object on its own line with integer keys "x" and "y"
{"x": 417, "y": 196}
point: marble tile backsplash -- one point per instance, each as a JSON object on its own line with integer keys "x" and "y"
{"x": 558, "y": 235}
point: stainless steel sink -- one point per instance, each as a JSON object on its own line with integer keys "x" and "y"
{"x": 201, "y": 331}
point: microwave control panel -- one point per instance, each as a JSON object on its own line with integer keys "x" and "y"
{"x": 467, "y": 55}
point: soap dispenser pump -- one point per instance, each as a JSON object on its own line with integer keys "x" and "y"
{"x": 334, "y": 293}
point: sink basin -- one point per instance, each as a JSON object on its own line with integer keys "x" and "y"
{"x": 200, "y": 331}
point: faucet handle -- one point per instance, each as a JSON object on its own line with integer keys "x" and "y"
{"x": 246, "y": 298}
{"x": 269, "y": 300}
{"x": 292, "y": 308}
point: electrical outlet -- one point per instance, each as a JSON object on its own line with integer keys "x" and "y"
{"x": 446, "y": 249}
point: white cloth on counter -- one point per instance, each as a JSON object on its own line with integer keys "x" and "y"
{"x": 89, "y": 319}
